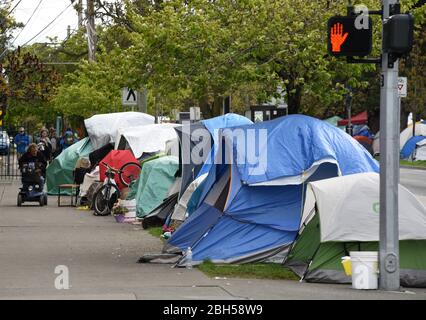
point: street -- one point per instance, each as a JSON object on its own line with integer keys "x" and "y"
{"x": 101, "y": 256}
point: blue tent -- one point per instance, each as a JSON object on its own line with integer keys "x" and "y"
{"x": 252, "y": 210}
{"x": 214, "y": 125}
{"x": 409, "y": 147}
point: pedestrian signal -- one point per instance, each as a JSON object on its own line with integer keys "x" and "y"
{"x": 348, "y": 37}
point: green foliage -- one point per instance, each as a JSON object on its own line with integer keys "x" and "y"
{"x": 29, "y": 88}
{"x": 196, "y": 52}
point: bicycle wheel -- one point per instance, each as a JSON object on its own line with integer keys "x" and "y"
{"x": 129, "y": 173}
{"x": 105, "y": 198}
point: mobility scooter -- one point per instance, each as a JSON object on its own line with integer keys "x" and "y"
{"x": 32, "y": 184}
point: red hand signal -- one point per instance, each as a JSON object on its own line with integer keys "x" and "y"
{"x": 337, "y": 37}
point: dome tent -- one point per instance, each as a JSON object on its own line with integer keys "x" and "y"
{"x": 342, "y": 214}
{"x": 60, "y": 170}
{"x": 250, "y": 214}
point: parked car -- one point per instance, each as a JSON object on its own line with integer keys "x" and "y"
{"x": 4, "y": 143}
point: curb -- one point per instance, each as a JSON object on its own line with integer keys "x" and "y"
{"x": 412, "y": 167}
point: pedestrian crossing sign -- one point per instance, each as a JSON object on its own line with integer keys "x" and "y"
{"x": 129, "y": 97}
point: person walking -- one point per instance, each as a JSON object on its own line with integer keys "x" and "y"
{"x": 54, "y": 140}
{"x": 22, "y": 140}
{"x": 44, "y": 144}
{"x": 68, "y": 139}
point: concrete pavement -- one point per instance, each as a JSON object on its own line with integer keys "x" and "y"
{"x": 101, "y": 258}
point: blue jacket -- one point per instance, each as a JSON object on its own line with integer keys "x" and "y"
{"x": 22, "y": 141}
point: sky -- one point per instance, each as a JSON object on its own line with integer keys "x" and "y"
{"x": 46, "y": 12}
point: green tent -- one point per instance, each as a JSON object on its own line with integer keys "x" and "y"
{"x": 157, "y": 176}
{"x": 334, "y": 120}
{"x": 60, "y": 170}
{"x": 134, "y": 186}
{"x": 342, "y": 215}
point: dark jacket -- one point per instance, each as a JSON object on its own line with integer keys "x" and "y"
{"x": 39, "y": 160}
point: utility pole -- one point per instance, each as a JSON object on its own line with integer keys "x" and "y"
{"x": 389, "y": 166}
{"x": 80, "y": 13}
{"x": 143, "y": 100}
{"x": 91, "y": 31}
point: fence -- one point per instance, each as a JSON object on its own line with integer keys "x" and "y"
{"x": 9, "y": 169}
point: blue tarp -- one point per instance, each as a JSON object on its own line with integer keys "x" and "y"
{"x": 258, "y": 219}
{"x": 410, "y": 146}
{"x": 293, "y": 144}
{"x": 213, "y": 125}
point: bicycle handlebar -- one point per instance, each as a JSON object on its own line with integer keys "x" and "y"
{"x": 110, "y": 168}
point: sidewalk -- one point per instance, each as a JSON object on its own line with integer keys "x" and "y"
{"x": 101, "y": 257}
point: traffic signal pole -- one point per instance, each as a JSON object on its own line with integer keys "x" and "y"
{"x": 389, "y": 168}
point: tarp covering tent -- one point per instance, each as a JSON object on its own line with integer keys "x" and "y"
{"x": 421, "y": 151}
{"x": 196, "y": 142}
{"x": 60, "y": 170}
{"x": 157, "y": 177}
{"x": 360, "y": 118}
{"x": 253, "y": 210}
{"x": 147, "y": 138}
{"x": 103, "y": 128}
{"x": 214, "y": 125}
{"x": 342, "y": 215}
{"x": 117, "y": 159}
{"x": 407, "y": 133}
{"x": 410, "y": 146}
{"x": 158, "y": 216}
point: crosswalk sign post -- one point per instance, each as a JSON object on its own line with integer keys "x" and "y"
{"x": 129, "y": 97}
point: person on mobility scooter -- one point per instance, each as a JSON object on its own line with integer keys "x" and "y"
{"x": 33, "y": 169}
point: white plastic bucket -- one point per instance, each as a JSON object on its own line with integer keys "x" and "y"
{"x": 365, "y": 269}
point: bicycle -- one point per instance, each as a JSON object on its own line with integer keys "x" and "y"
{"x": 129, "y": 173}
{"x": 107, "y": 195}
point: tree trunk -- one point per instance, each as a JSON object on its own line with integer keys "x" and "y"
{"x": 217, "y": 106}
{"x": 294, "y": 97}
{"x": 204, "y": 105}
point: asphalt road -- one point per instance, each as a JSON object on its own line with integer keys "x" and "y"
{"x": 101, "y": 256}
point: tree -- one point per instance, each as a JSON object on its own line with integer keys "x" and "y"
{"x": 414, "y": 68}
{"x": 30, "y": 85}
{"x": 7, "y": 26}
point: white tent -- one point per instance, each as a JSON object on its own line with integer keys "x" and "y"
{"x": 349, "y": 209}
{"x": 103, "y": 128}
{"x": 376, "y": 143}
{"x": 147, "y": 139}
{"x": 407, "y": 133}
{"x": 421, "y": 150}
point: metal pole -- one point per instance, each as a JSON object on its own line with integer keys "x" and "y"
{"x": 349, "y": 110}
{"x": 389, "y": 170}
{"x": 80, "y": 13}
